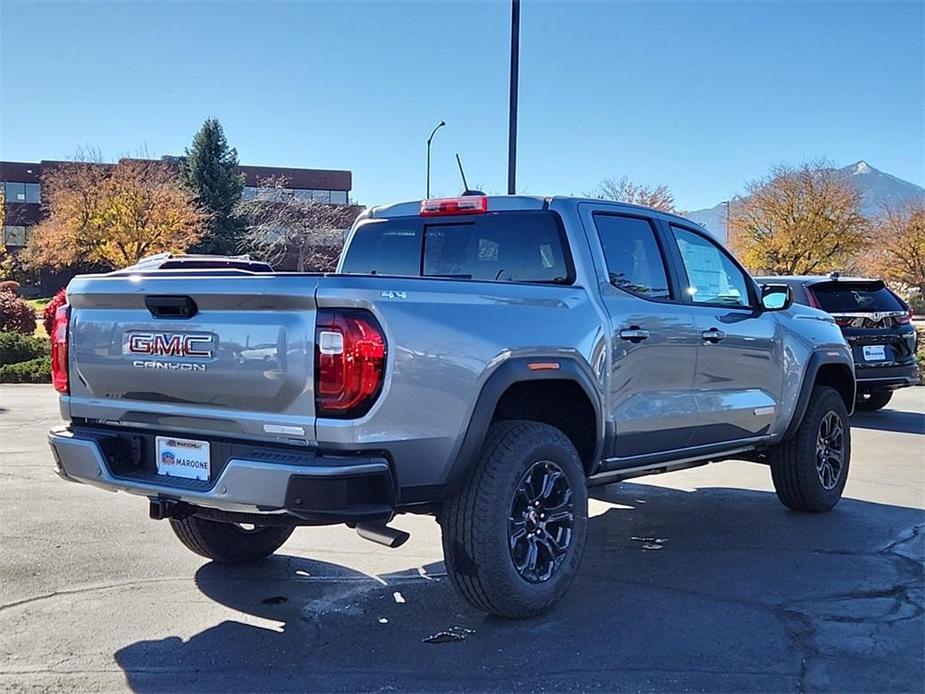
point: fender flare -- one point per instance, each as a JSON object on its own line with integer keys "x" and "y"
{"x": 817, "y": 360}
{"x": 512, "y": 371}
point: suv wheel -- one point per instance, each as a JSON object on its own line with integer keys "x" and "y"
{"x": 230, "y": 543}
{"x": 873, "y": 401}
{"x": 514, "y": 535}
{"x": 810, "y": 469}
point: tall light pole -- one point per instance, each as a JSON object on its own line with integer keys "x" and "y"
{"x": 512, "y": 114}
{"x": 429, "y": 140}
{"x": 726, "y": 205}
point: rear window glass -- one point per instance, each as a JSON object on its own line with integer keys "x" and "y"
{"x": 501, "y": 247}
{"x": 384, "y": 248}
{"x": 855, "y": 297}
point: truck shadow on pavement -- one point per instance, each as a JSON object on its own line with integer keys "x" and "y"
{"x": 714, "y": 589}
{"x": 890, "y": 420}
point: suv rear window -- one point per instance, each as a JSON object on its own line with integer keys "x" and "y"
{"x": 527, "y": 246}
{"x": 855, "y": 297}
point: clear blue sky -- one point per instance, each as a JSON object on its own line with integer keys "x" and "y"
{"x": 699, "y": 95}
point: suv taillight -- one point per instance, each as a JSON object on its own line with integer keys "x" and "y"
{"x": 59, "y": 375}
{"x": 813, "y": 300}
{"x": 349, "y": 362}
{"x": 904, "y": 318}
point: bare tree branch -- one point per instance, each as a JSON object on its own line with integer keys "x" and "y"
{"x": 624, "y": 190}
{"x": 286, "y": 228}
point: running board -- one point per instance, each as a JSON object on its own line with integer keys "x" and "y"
{"x": 620, "y": 474}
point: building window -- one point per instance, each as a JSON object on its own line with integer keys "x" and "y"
{"x": 14, "y": 192}
{"x": 337, "y": 197}
{"x": 274, "y": 194}
{"x": 33, "y": 193}
{"x": 14, "y": 236}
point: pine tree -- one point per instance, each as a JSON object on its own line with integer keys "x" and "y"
{"x": 210, "y": 171}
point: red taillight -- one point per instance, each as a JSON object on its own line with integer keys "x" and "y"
{"x": 349, "y": 363}
{"x": 904, "y": 318}
{"x": 844, "y": 322}
{"x": 811, "y": 297}
{"x": 59, "y": 375}
{"x": 468, "y": 204}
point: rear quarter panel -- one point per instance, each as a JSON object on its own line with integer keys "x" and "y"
{"x": 445, "y": 339}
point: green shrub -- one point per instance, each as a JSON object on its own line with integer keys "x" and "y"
{"x": 32, "y": 371}
{"x": 16, "y": 347}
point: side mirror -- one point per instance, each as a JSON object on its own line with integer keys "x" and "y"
{"x": 776, "y": 297}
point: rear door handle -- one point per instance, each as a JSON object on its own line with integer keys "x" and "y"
{"x": 712, "y": 335}
{"x": 634, "y": 334}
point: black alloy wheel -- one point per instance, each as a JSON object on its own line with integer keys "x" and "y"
{"x": 541, "y": 520}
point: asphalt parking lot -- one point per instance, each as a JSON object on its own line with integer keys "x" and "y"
{"x": 694, "y": 581}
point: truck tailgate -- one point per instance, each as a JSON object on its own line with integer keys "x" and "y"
{"x": 242, "y": 363}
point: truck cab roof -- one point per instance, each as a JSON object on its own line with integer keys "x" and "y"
{"x": 508, "y": 203}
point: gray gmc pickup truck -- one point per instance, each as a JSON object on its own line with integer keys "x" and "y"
{"x": 482, "y": 359}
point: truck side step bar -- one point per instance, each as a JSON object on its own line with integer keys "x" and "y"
{"x": 383, "y": 534}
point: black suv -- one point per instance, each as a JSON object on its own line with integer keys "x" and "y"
{"x": 877, "y": 325}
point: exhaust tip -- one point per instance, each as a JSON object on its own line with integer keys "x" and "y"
{"x": 382, "y": 534}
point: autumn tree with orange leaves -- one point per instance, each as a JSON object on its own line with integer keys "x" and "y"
{"x": 112, "y": 215}
{"x": 803, "y": 220}
{"x": 897, "y": 249}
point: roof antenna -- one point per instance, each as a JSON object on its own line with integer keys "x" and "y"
{"x": 462, "y": 173}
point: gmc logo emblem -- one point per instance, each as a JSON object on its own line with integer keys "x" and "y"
{"x": 194, "y": 345}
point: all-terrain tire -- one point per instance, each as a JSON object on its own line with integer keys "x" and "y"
{"x": 229, "y": 543}
{"x": 873, "y": 401}
{"x": 795, "y": 463}
{"x": 476, "y": 523}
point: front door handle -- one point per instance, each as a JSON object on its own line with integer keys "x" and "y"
{"x": 712, "y": 335}
{"x": 634, "y": 334}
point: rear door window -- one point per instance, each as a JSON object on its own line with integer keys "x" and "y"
{"x": 856, "y": 297}
{"x": 634, "y": 261}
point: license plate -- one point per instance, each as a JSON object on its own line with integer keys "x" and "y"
{"x": 874, "y": 353}
{"x": 182, "y": 458}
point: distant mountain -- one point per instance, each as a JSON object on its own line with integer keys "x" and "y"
{"x": 713, "y": 219}
{"x": 875, "y": 186}
{"x": 878, "y": 187}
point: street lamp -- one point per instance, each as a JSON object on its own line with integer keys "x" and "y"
{"x": 429, "y": 140}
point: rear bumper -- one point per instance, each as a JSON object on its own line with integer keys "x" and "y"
{"x": 316, "y": 488}
{"x": 879, "y": 378}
